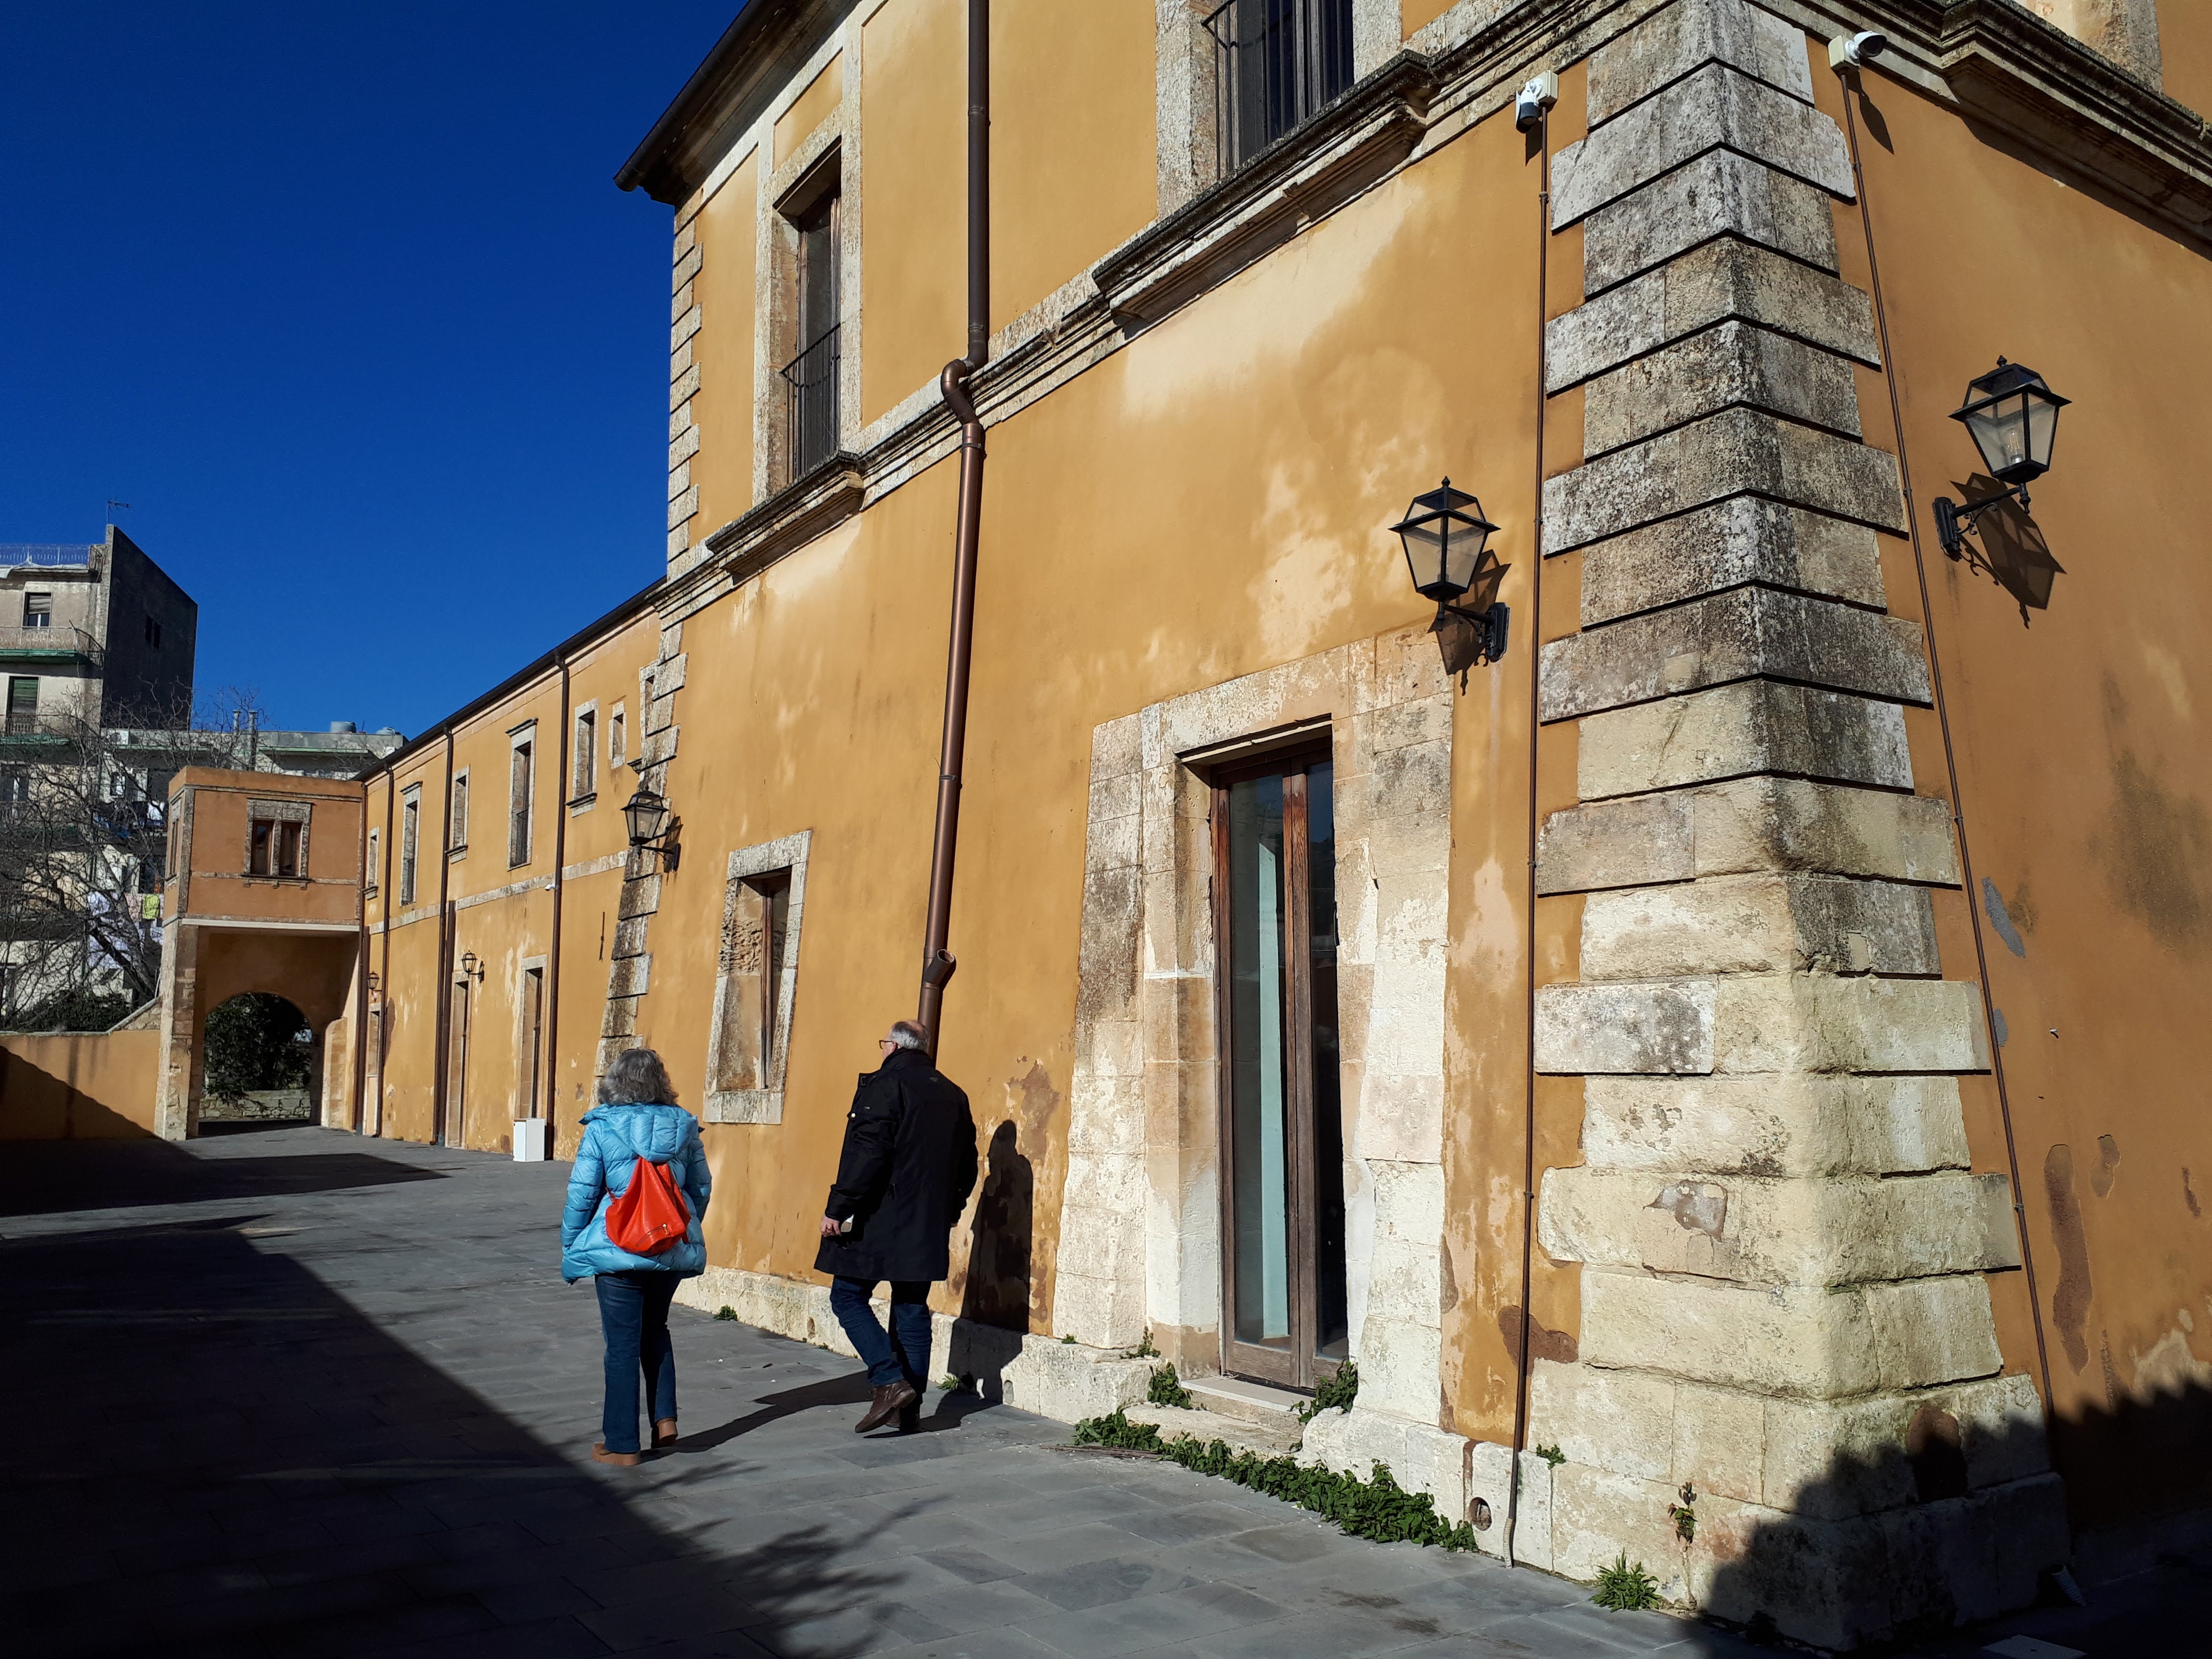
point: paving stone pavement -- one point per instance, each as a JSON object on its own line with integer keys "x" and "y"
{"x": 294, "y": 1393}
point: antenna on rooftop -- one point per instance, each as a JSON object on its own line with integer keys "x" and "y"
{"x": 115, "y": 506}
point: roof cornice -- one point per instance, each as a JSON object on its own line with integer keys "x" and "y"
{"x": 756, "y": 55}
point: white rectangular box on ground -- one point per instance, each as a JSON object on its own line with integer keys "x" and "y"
{"x": 530, "y": 1140}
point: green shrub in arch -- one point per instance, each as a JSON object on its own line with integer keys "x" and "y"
{"x": 1379, "y": 1508}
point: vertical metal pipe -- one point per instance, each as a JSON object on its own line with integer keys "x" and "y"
{"x": 937, "y": 962}
{"x": 384, "y": 897}
{"x": 1535, "y": 649}
{"x": 360, "y": 1111}
{"x": 548, "y": 1036}
{"x": 440, "y": 1085}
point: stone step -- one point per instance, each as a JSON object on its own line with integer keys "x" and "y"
{"x": 1275, "y": 1439}
{"x": 1249, "y": 1402}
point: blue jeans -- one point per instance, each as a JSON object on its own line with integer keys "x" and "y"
{"x": 903, "y": 1353}
{"x": 634, "y": 1317}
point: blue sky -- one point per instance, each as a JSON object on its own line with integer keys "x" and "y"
{"x": 345, "y": 301}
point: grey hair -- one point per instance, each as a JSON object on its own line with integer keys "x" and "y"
{"x": 908, "y": 1035}
{"x": 636, "y": 1077}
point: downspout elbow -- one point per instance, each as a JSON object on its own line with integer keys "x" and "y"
{"x": 953, "y": 384}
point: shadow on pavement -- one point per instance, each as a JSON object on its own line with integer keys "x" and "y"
{"x": 48, "y": 1177}
{"x": 213, "y": 1453}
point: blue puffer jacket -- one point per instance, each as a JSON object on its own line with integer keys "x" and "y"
{"x": 615, "y": 1138}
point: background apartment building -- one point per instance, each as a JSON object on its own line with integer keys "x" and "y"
{"x": 93, "y": 635}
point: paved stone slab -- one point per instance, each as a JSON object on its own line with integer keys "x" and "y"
{"x": 294, "y": 1394}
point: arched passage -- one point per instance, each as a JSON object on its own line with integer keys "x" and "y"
{"x": 206, "y": 967}
{"x": 261, "y": 1063}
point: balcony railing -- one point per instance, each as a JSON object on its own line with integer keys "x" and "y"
{"x": 48, "y": 642}
{"x": 812, "y": 379}
{"x": 1277, "y": 63}
{"x": 47, "y": 553}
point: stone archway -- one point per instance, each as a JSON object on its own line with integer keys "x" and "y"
{"x": 204, "y": 967}
{"x": 261, "y": 1063}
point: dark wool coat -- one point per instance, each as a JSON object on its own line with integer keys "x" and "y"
{"x": 908, "y": 1168}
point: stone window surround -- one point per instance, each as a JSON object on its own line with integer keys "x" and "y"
{"x": 517, "y": 737}
{"x": 259, "y": 809}
{"x": 581, "y": 800}
{"x": 763, "y": 1105}
{"x": 410, "y": 855}
{"x": 456, "y": 823}
{"x": 1184, "y": 90}
{"x": 1140, "y": 1233}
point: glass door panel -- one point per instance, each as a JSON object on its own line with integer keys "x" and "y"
{"x": 1282, "y": 1131}
{"x": 1258, "y": 1124}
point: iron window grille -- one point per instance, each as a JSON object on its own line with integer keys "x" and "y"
{"x": 1277, "y": 63}
{"x": 812, "y": 379}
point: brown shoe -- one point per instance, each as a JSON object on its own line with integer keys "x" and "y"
{"x": 619, "y": 1460}
{"x": 890, "y": 1398}
{"x": 663, "y": 1432}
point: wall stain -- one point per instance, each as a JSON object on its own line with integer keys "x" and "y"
{"x": 2189, "y": 1193}
{"x": 1993, "y": 906}
{"x": 2069, "y": 1303}
{"x": 2160, "y": 845}
{"x": 2108, "y": 1163}
{"x": 1558, "y": 1345}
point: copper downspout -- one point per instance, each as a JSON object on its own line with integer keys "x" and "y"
{"x": 1536, "y": 657}
{"x": 1950, "y": 756}
{"x": 550, "y": 1037}
{"x": 937, "y": 962}
{"x": 440, "y": 1084}
{"x": 360, "y": 1113}
{"x": 384, "y": 896}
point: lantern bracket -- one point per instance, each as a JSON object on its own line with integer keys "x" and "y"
{"x": 1469, "y": 639}
{"x": 1955, "y": 519}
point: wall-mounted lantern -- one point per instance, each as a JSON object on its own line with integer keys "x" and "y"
{"x": 1448, "y": 553}
{"x": 471, "y": 967}
{"x": 651, "y": 827}
{"x": 2014, "y": 419}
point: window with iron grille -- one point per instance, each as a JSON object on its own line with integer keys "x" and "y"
{"x": 1277, "y": 63}
{"x": 811, "y": 377}
{"x": 518, "y": 805}
{"x": 583, "y": 780}
{"x": 410, "y": 823}
{"x": 22, "y": 704}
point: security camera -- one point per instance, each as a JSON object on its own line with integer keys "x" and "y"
{"x": 1537, "y": 94}
{"x": 1856, "y": 51}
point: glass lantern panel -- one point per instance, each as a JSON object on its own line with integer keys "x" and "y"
{"x": 1462, "y": 554}
{"x": 1425, "y": 555}
{"x": 2000, "y": 429}
{"x": 2042, "y": 429}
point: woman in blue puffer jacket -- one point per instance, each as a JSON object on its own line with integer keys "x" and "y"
{"x": 636, "y": 1118}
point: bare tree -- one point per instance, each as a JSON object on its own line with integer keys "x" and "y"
{"x": 84, "y": 849}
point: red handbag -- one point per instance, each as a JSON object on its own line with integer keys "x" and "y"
{"x": 648, "y": 1215}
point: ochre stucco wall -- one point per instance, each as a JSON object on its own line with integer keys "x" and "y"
{"x": 2076, "y": 698}
{"x": 78, "y": 1085}
{"x": 2185, "y": 50}
{"x": 914, "y": 275}
{"x": 1074, "y": 172}
{"x": 726, "y": 291}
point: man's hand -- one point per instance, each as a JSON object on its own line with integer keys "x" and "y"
{"x": 829, "y": 1227}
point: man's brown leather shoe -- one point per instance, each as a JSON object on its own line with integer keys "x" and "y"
{"x": 890, "y": 1398}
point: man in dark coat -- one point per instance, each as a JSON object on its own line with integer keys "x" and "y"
{"x": 904, "y": 1177}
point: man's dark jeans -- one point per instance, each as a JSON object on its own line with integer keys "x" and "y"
{"x": 903, "y": 1353}
{"x": 634, "y": 1317}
